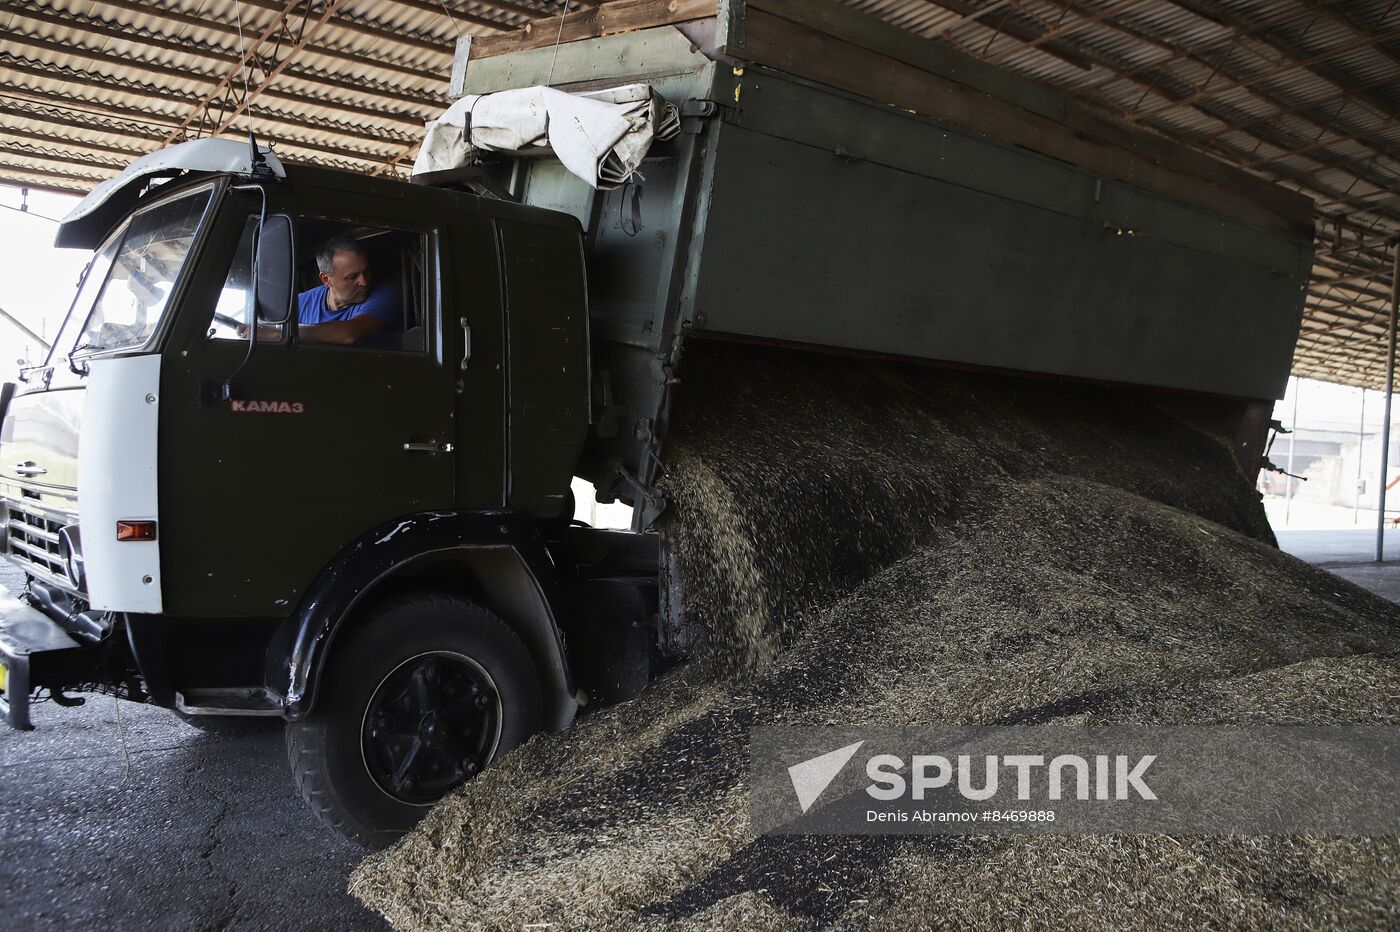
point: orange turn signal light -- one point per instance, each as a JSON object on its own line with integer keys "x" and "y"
{"x": 136, "y": 530}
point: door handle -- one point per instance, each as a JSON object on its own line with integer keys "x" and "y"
{"x": 29, "y": 468}
{"x": 431, "y": 448}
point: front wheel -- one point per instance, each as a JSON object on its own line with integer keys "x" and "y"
{"x": 421, "y": 696}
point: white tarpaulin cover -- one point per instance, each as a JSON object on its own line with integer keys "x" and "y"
{"x": 601, "y": 136}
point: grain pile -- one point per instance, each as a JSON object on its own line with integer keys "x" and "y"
{"x": 875, "y": 544}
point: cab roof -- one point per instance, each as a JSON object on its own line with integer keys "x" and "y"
{"x": 107, "y": 203}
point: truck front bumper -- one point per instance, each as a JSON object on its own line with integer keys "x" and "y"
{"x": 28, "y": 639}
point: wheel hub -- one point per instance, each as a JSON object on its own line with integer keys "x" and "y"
{"x": 432, "y": 731}
{"x": 431, "y": 725}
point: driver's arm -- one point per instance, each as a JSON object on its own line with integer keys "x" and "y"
{"x": 341, "y": 332}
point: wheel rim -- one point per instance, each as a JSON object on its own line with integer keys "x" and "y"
{"x": 431, "y": 725}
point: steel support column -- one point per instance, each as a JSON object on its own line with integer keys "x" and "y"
{"x": 1289, "y": 480}
{"x": 1360, "y": 461}
{"x": 1389, "y": 395}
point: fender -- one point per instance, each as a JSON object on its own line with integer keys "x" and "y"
{"x": 518, "y": 569}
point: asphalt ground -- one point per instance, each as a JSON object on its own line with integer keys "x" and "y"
{"x": 1338, "y": 547}
{"x": 1350, "y": 554}
{"x": 155, "y": 825}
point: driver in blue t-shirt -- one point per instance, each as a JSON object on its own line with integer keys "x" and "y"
{"x": 347, "y": 306}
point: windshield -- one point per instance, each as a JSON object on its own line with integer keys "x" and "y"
{"x": 125, "y": 290}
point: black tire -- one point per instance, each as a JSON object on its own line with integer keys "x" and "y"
{"x": 417, "y": 684}
{"x": 233, "y": 726}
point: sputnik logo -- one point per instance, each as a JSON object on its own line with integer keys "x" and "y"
{"x": 811, "y": 777}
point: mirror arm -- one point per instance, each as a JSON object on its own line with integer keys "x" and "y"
{"x": 226, "y": 390}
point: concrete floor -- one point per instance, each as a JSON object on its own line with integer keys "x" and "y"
{"x": 160, "y": 826}
{"x": 1350, "y": 554}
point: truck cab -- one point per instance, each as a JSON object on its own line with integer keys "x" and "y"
{"x": 370, "y": 541}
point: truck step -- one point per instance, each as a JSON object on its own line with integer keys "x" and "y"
{"x": 247, "y": 701}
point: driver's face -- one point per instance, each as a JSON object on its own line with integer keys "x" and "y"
{"x": 348, "y": 279}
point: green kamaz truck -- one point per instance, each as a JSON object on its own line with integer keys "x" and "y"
{"x": 372, "y": 540}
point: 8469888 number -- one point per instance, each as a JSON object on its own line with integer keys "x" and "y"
{"x": 1019, "y": 815}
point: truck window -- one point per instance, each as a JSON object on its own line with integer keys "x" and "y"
{"x": 235, "y": 303}
{"x": 91, "y": 282}
{"x": 142, "y": 275}
{"x": 360, "y": 286}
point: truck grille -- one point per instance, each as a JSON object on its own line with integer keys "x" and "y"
{"x": 32, "y": 543}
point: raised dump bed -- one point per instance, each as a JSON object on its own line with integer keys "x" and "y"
{"x": 841, "y": 184}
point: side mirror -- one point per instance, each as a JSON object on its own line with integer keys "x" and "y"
{"x": 274, "y": 265}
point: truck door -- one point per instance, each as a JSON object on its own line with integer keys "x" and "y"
{"x": 319, "y": 443}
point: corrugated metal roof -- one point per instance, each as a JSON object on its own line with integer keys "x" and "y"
{"x": 1304, "y": 92}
